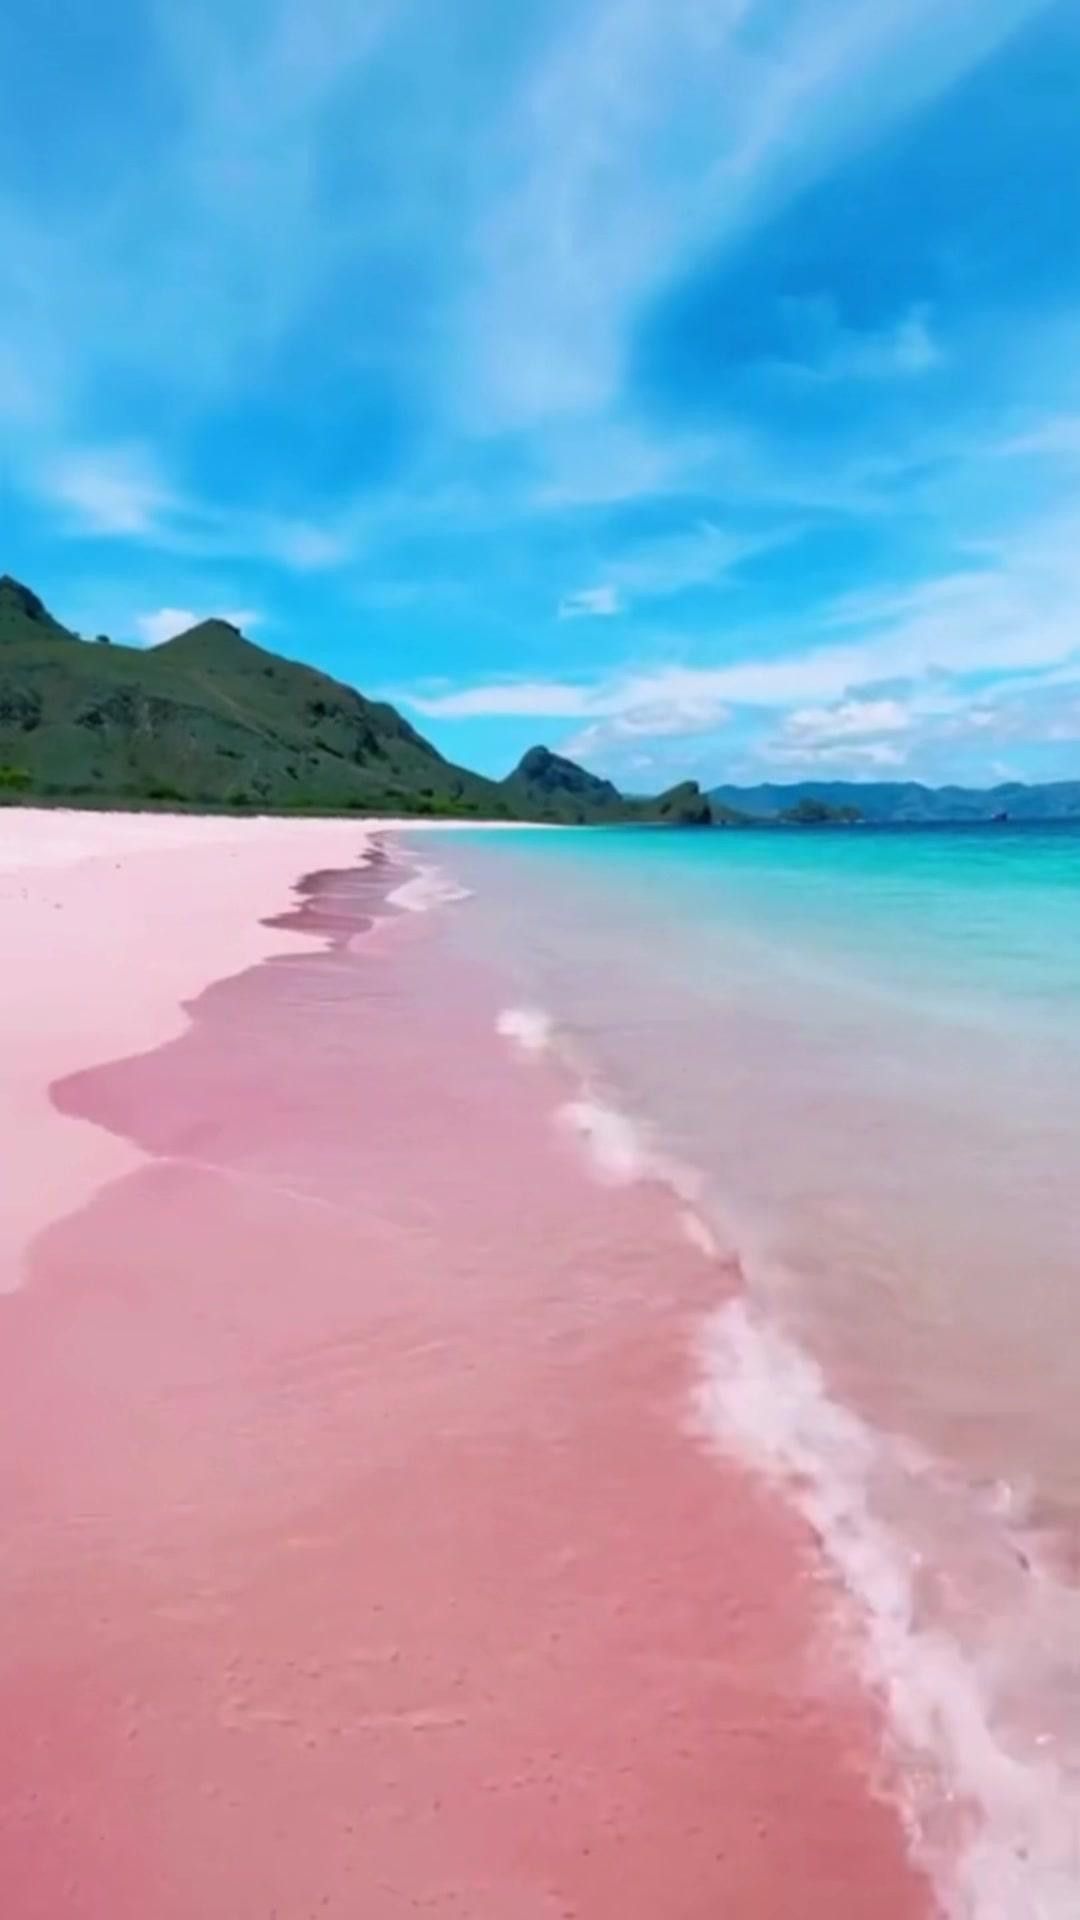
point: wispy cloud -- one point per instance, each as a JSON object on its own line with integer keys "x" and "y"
{"x": 650, "y": 131}
{"x": 847, "y": 757}
{"x": 120, "y": 493}
{"x": 516, "y": 699}
{"x": 851, "y": 734}
{"x": 114, "y": 491}
{"x": 847, "y": 720}
{"x": 1012, "y": 619}
{"x": 663, "y": 716}
{"x": 519, "y": 348}
{"x": 600, "y": 461}
{"x": 705, "y": 555}
{"x": 194, "y": 250}
{"x": 1058, "y": 437}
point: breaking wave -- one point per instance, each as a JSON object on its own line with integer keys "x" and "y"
{"x": 991, "y": 1802}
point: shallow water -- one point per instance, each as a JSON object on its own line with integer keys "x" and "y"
{"x": 857, "y": 1056}
{"x": 351, "y": 1506}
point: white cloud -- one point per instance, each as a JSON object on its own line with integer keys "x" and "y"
{"x": 304, "y": 548}
{"x": 249, "y": 230}
{"x": 596, "y": 603}
{"x": 704, "y": 555}
{"x": 121, "y": 493}
{"x": 201, "y": 248}
{"x": 653, "y": 130}
{"x": 1040, "y": 710}
{"x": 857, "y": 733}
{"x": 1013, "y": 617}
{"x": 518, "y": 699}
{"x": 1057, "y": 437}
{"x": 670, "y": 689}
{"x": 663, "y": 719}
{"x": 848, "y": 720}
{"x": 112, "y": 491}
{"x": 880, "y": 755}
{"x": 598, "y": 462}
{"x": 164, "y": 623}
{"x": 668, "y": 700}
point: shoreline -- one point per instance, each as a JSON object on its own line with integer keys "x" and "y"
{"x": 161, "y": 905}
{"x": 157, "y": 908}
{"x": 355, "y": 1500}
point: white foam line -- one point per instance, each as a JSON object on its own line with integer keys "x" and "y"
{"x": 427, "y": 888}
{"x": 616, "y": 1148}
{"x": 766, "y": 1402}
{"x": 621, "y": 1150}
{"x": 1012, "y": 1851}
{"x": 529, "y": 1029}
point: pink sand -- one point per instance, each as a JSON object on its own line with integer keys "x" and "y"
{"x": 357, "y": 1559}
{"x": 109, "y": 923}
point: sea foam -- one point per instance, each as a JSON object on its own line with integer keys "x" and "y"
{"x": 995, "y": 1822}
{"x": 529, "y": 1029}
{"x": 427, "y": 888}
{"x": 616, "y": 1148}
{"x": 1014, "y": 1849}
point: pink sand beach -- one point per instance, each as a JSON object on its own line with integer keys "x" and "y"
{"x": 360, "y": 1556}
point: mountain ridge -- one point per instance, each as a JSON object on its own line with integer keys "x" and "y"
{"x": 208, "y": 719}
{"x": 212, "y": 720}
{"x": 906, "y": 802}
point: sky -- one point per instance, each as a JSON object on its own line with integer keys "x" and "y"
{"x": 693, "y": 387}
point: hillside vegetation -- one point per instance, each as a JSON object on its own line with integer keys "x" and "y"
{"x": 207, "y": 719}
{"x": 210, "y": 720}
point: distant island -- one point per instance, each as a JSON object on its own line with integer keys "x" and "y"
{"x": 899, "y": 802}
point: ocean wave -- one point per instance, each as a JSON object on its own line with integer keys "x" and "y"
{"x": 621, "y": 1150}
{"x": 992, "y": 1809}
{"x": 529, "y": 1029}
{"x": 427, "y": 888}
{"x": 1016, "y": 1808}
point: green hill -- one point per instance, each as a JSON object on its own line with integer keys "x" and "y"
{"x": 210, "y": 720}
{"x": 546, "y": 786}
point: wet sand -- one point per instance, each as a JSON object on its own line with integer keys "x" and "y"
{"x": 110, "y": 922}
{"x": 358, "y": 1558}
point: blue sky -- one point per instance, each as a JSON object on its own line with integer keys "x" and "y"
{"x": 692, "y": 386}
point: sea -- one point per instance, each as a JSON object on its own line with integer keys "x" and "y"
{"x": 854, "y": 1057}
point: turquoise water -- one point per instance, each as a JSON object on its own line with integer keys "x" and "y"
{"x": 857, "y": 1052}
{"x": 982, "y": 920}
{"x": 868, "y": 1045}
